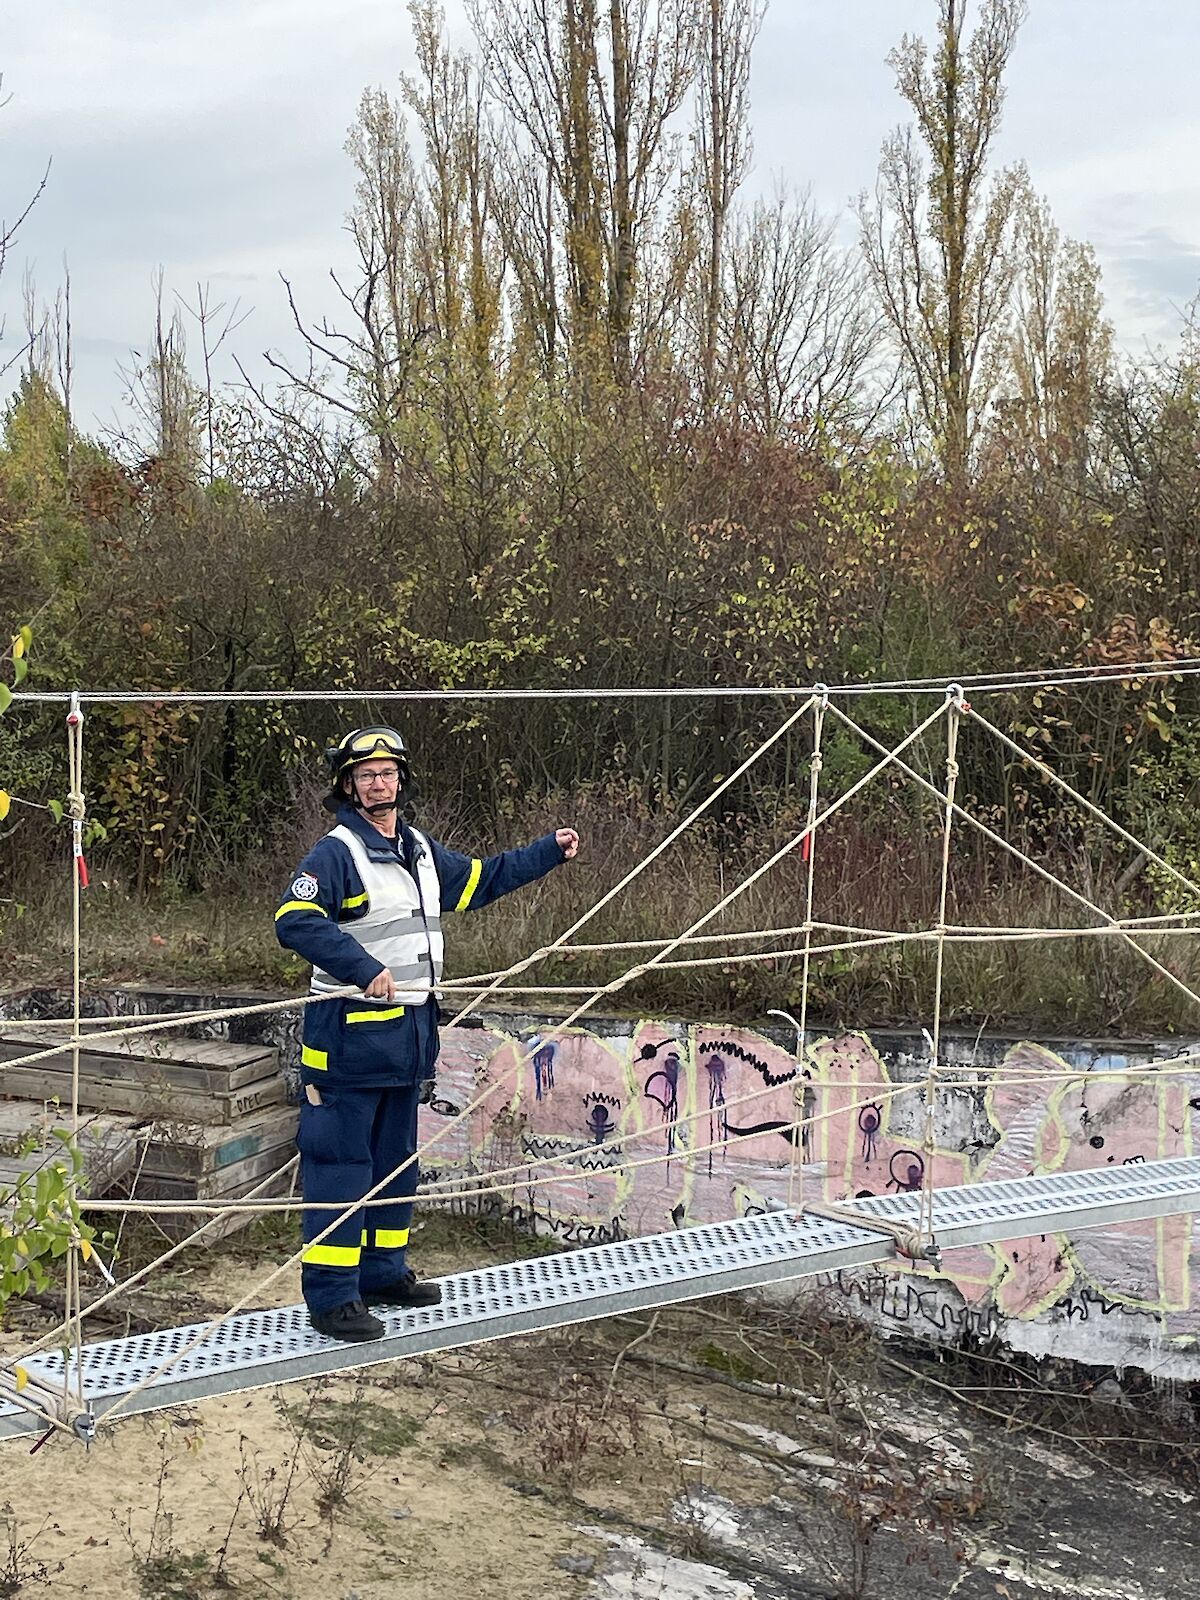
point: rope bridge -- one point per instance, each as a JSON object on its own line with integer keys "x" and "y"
{"x": 73, "y": 1388}
{"x": 184, "y": 1365}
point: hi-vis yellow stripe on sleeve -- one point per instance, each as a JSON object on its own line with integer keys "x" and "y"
{"x": 317, "y": 1059}
{"x": 299, "y": 905}
{"x": 472, "y": 881}
{"x": 349, "y": 903}
{"x": 387, "y": 1014}
{"x": 333, "y": 1255}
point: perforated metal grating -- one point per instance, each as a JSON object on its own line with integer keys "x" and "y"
{"x": 265, "y": 1347}
{"x": 1016, "y": 1208}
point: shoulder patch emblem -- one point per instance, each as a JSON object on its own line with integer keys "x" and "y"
{"x": 305, "y": 887}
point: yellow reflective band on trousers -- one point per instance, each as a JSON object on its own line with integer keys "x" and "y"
{"x": 388, "y": 1015}
{"x": 317, "y": 1059}
{"x": 333, "y": 1255}
{"x": 391, "y": 1238}
{"x": 464, "y": 900}
{"x": 299, "y": 905}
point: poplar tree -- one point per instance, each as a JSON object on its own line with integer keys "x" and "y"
{"x": 938, "y": 236}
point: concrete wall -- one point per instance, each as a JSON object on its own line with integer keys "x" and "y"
{"x": 1121, "y": 1295}
{"x": 1117, "y": 1296}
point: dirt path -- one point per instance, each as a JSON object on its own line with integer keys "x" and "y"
{"x": 639, "y": 1458}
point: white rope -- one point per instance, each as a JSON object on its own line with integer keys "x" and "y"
{"x": 1089, "y": 806}
{"x": 979, "y": 683}
{"x": 800, "y": 1127}
{"x": 925, "y": 1224}
{"x": 444, "y": 1188}
{"x": 752, "y": 878}
{"x": 611, "y": 894}
{"x": 1028, "y": 861}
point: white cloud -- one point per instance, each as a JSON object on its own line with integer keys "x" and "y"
{"x": 208, "y": 138}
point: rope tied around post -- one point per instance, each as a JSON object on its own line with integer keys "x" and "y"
{"x": 77, "y": 811}
{"x": 956, "y": 708}
{"x": 799, "y": 1140}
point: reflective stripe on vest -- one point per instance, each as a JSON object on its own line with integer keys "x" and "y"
{"x": 402, "y": 927}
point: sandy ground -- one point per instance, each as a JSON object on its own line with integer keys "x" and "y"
{"x": 445, "y": 1490}
{"x": 587, "y": 1463}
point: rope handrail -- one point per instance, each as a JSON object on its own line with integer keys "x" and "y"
{"x": 977, "y": 683}
{"x": 439, "y": 1191}
{"x": 950, "y": 1075}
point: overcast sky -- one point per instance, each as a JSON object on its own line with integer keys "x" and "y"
{"x": 208, "y": 138}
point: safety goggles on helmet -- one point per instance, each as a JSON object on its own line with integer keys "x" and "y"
{"x": 367, "y": 744}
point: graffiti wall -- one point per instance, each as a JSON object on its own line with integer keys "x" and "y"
{"x": 709, "y": 1112}
{"x": 666, "y": 1125}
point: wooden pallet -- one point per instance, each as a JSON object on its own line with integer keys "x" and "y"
{"x": 28, "y": 1142}
{"x": 177, "y": 1224}
{"x": 212, "y": 1120}
{"x": 180, "y": 1080}
{"x": 194, "y": 1150}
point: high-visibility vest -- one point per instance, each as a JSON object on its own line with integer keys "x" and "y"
{"x": 402, "y": 927}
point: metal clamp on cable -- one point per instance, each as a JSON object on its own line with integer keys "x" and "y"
{"x": 908, "y": 1241}
{"x": 48, "y": 1405}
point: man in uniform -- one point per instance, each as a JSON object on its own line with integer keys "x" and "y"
{"x": 366, "y": 907}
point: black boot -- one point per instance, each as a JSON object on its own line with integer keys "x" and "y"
{"x": 350, "y": 1321}
{"x": 406, "y": 1291}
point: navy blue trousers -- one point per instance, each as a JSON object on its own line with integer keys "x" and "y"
{"x": 347, "y": 1144}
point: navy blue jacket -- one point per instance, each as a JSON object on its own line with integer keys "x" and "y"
{"x": 319, "y": 927}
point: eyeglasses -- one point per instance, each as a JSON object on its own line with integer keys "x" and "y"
{"x": 390, "y": 775}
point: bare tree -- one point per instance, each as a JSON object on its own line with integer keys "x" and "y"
{"x": 215, "y": 324}
{"x": 593, "y": 88}
{"x": 365, "y": 373}
{"x": 800, "y": 330}
{"x": 938, "y": 236}
{"x": 166, "y": 403}
{"x": 729, "y": 29}
{"x": 8, "y": 237}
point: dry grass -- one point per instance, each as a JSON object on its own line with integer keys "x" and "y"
{"x": 879, "y": 871}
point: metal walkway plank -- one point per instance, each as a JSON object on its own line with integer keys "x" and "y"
{"x": 1058, "y": 1202}
{"x": 267, "y": 1347}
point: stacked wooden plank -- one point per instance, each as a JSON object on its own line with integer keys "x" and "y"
{"x": 30, "y": 1141}
{"x": 192, "y": 1161}
{"x": 212, "y": 1115}
{"x": 179, "y": 1080}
